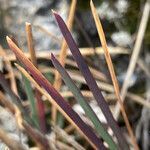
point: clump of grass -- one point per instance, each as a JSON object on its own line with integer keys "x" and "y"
{"x": 91, "y": 82}
{"x": 42, "y": 81}
{"x": 102, "y": 132}
{"x": 97, "y": 136}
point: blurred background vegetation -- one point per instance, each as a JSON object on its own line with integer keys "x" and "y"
{"x": 120, "y": 20}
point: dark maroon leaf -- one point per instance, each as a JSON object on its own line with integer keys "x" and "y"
{"x": 42, "y": 81}
{"x": 91, "y": 82}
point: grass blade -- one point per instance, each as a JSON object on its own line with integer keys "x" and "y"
{"x": 63, "y": 54}
{"x": 30, "y": 95}
{"x": 102, "y": 132}
{"x": 42, "y": 91}
{"x": 91, "y": 82}
{"x": 42, "y": 81}
{"x": 112, "y": 73}
{"x": 40, "y": 103}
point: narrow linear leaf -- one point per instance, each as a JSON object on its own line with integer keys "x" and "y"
{"x": 102, "y": 132}
{"x": 15, "y": 99}
{"x": 41, "y": 111}
{"x": 42, "y": 81}
{"x": 91, "y": 81}
{"x": 30, "y": 95}
{"x": 40, "y": 103}
{"x": 112, "y": 73}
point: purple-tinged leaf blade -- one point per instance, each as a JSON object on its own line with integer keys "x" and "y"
{"x": 91, "y": 81}
{"x": 101, "y": 131}
{"x": 42, "y": 81}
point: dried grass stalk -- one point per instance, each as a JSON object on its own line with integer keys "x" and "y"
{"x": 63, "y": 54}
{"x": 112, "y": 73}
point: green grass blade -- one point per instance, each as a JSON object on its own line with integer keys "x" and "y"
{"x": 30, "y": 95}
{"x": 94, "y": 140}
{"x": 102, "y": 132}
{"x": 91, "y": 82}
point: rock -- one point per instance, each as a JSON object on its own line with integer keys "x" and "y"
{"x": 106, "y": 11}
{"x": 122, "y": 38}
{"x": 37, "y": 13}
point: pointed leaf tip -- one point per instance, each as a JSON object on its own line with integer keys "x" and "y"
{"x": 57, "y": 16}
{"x": 54, "y": 12}
{"x": 16, "y": 65}
{"x": 8, "y": 39}
{"x": 91, "y": 2}
{"x": 28, "y": 23}
{"x": 52, "y": 56}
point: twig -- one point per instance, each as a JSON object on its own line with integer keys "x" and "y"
{"x": 142, "y": 128}
{"x": 63, "y": 146}
{"x": 30, "y": 43}
{"x": 104, "y": 86}
{"x": 36, "y": 136}
{"x": 42, "y": 54}
{"x": 69, "y": 128}
{"x": 144, "y": 67}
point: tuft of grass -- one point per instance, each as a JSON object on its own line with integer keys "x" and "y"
{"x": 63, "y": 54}
{"x": 102, "y": 132}
{"x": 91, "y": 82}
{"x": 112, "y": 73}
{"x": 97, "y": 136}
{"x": 42, "y": 81}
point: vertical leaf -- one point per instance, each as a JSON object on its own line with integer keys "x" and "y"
{"x": 30, "y": 95}
{"x": 42, "y": 81}
{"x": 112, "y": 73}
{"x": 102, "y": 132}
{"x": 91, "y": 81}
{"x": 40, "y": 103}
